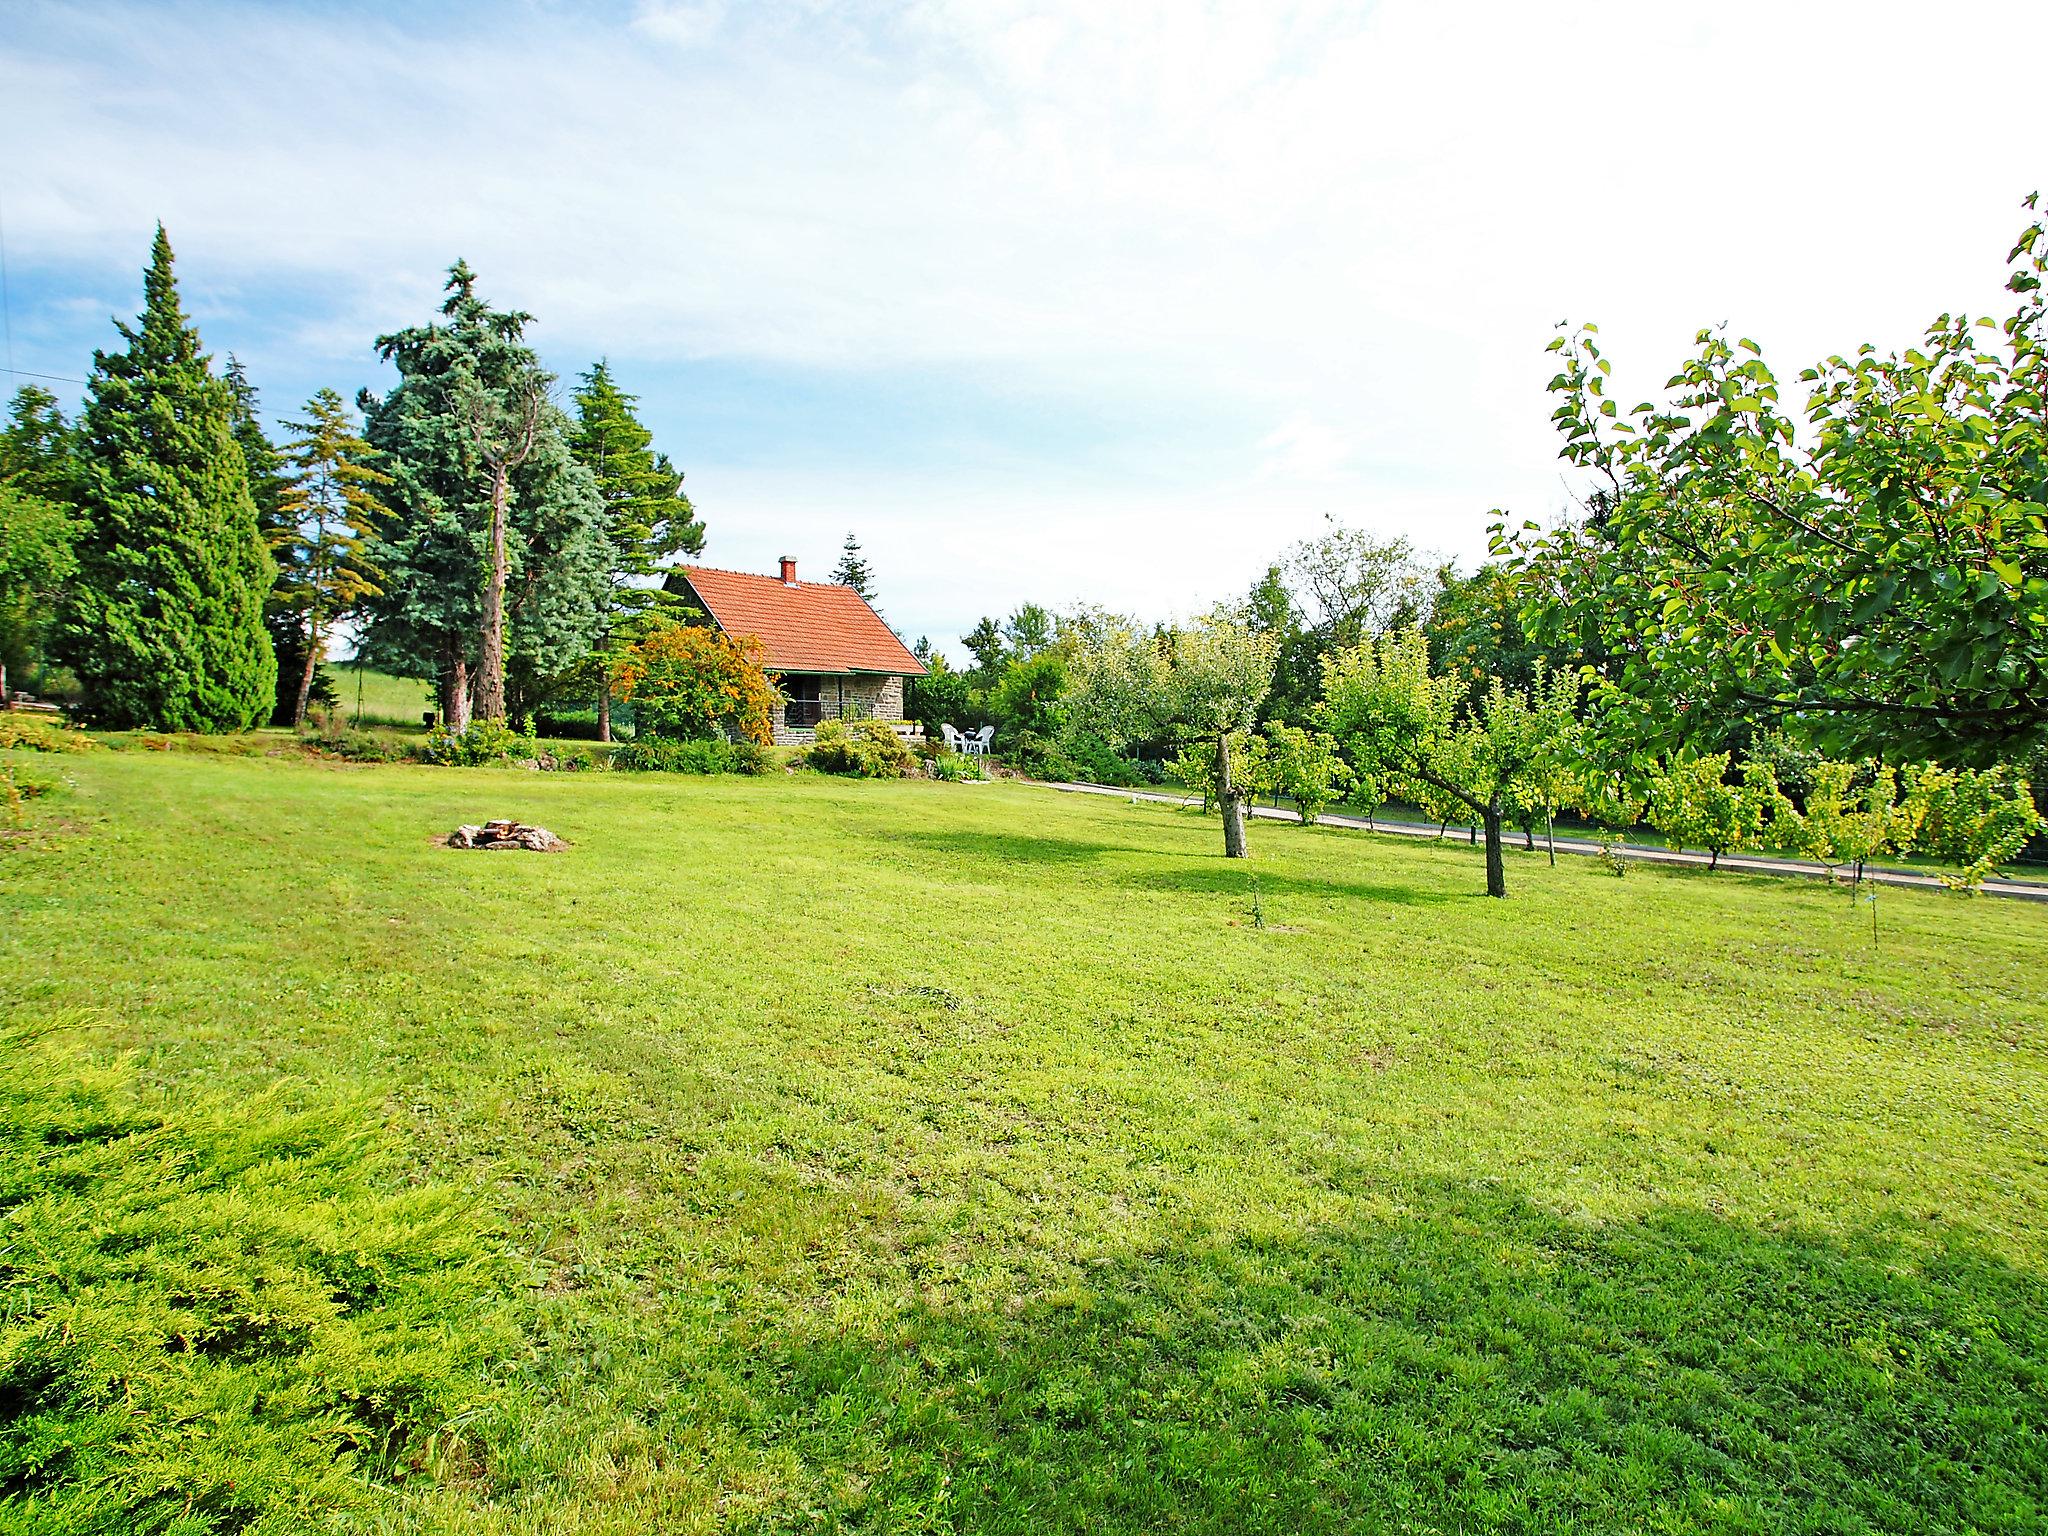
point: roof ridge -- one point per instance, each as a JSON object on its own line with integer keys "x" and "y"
{"x": 726, "y": 570}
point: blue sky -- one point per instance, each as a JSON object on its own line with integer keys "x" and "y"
{"x": 1062, "y": 301}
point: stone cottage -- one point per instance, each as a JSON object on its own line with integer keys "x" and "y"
{"x": 829, "y": 652}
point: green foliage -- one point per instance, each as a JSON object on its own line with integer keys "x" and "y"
{"x": 164, "y": 624}
{"x": 223, "y": 1314}
{"x": 955, "y": 768}
{"x": 1476, "y": 633}
{"x": 985, "y": 644}
{"x": 1028, "y": 630}
{"x": 1306, "y": 767}
{"x": 39, "y": 733}
{"x": 1974, "y": 820}
{"x": 1406, "y": 728}
{"x": 854, "y": 571}
{"x": 1092, "y": 760}
{"x": 1877, "y": 579}
{"x": 37, "y": 558}
{"x": 481, "y": 742}
{"x": 327, "y": 517}
{"x": 455, "y": 377}
{"x": 1039, "y": 756}
{"x": 648, "y": 518}
{"x": 660, "y": 754}
{"x": 1029, "y": 698}
{"x": 38, "y": 448}
{"x": 866, "y": 749}
{"x": 692, "y": 682}
{"x": 1791, "y": 764}
{"x": 942, "y": 697}
{"x": 1694, "y": 806}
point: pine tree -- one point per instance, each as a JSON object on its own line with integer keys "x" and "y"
{"x": 327, "y": 518}
{"x": 853, "y": 570}
{"x": 648, "y": 520}
{"x": 165, "y": 622}
{"x": 495, "y": 559}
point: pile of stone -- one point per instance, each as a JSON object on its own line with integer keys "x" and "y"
{"x": 506, "y": 834}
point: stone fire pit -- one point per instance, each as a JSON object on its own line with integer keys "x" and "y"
{"x": 507, "y": 834}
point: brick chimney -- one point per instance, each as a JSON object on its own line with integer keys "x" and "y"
{"x": 788, "y": 571}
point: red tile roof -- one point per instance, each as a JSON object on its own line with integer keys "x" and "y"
{"x": 811, "y": 626}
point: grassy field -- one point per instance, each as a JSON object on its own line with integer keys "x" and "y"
{"x": 377, "y": 698}
{"x": 796, "y": 1154}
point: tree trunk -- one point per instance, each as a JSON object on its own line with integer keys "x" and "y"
{"x": 604, "y": 705}
{"x": 1714, "y": 860}
{"x": 313, "y": 648}
{"x": 453, "y": 684}
{"x": 490, "y": 682}
{"x": 1496, "y": 869}
{"x": 1231, "y": 800}
{"x": 1550, "y": 834}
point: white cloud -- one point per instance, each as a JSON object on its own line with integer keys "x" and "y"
{"x": 1356, "y": 221}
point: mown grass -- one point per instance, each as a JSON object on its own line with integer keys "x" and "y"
{"x": 961, "y": 1157}
{"x": 370, "y": 697}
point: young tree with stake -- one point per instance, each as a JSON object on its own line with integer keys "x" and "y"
{"x": 328, "y": 516}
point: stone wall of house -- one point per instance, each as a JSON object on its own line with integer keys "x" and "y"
{"x": 845, "y": 698}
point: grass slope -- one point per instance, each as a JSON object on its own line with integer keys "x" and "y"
{"x": 928, "y": 1157}
{"x": 370, "y": 697}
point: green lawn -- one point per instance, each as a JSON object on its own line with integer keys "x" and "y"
{"x": 377, "y": 698}
{"x": 806, "y": 1154}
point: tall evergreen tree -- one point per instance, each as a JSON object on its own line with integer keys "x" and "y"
{"x": 853, "y": 570}
{"x": 496, "y": 553}
{"x": 164, "y": 626}
{"x": 326, "y": 521}
{"x": 648, "y": 520}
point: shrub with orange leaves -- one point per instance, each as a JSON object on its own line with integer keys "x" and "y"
{"x": 690, "y": 682}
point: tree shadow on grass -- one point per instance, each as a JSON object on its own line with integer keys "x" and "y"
{"x": 1475, "y": 1363}
{"x": 1223, "y": 879}
{"x": 1002, "y": 848}
{"x": 1196, "y": 874}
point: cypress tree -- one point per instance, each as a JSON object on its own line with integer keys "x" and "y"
{"x": 647, "y": 518}
{"x": 165, "y": 621}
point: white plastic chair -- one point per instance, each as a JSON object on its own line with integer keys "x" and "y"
{"x": 981, "y": 740}
{"x": 955, "y": 742}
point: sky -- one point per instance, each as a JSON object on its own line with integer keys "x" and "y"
{"x": 1059, "y": 302}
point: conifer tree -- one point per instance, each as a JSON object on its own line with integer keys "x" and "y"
{"x": 648, "y": 520}
{"x": 164, "y": 626}
{"x": 327, "y": 518}
{"x": 496, "y": 551}
{"x": 853, "y": 570}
